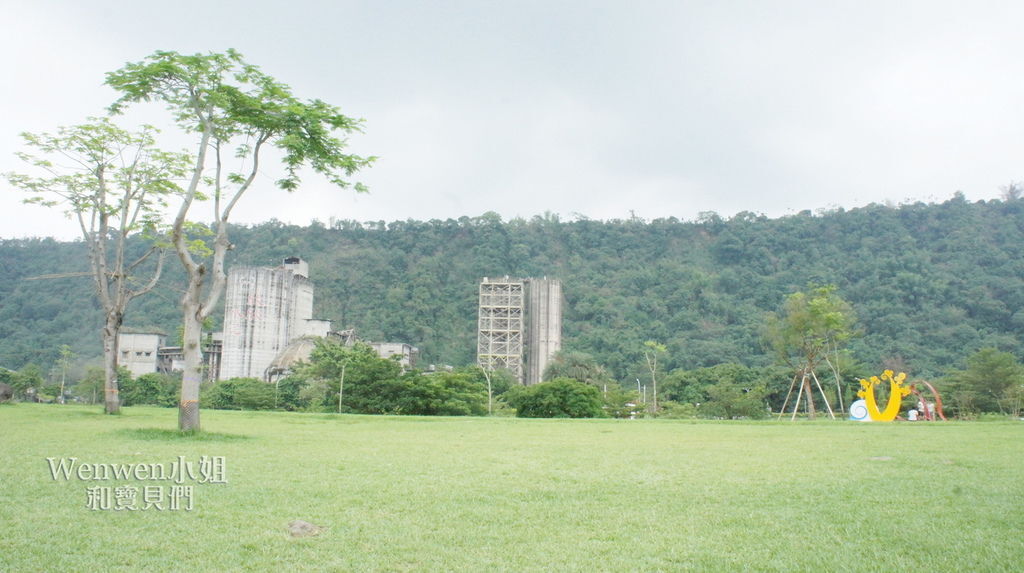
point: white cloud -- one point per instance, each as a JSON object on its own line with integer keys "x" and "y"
{"x": 599, "y": 108}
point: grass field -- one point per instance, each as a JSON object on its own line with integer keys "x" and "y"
{"x": 435, "y": 494}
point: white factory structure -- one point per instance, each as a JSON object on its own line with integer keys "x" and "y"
{"x": 265, "y": 309}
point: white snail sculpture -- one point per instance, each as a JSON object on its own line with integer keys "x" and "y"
{"x": 859, "y": 411}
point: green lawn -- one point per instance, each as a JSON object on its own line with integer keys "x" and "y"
{"x": 432, "y": 494}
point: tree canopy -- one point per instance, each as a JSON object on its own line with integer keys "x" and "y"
{"x": 811, "y": 326}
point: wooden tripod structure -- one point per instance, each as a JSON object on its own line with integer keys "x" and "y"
{"x": 805, "y": 375}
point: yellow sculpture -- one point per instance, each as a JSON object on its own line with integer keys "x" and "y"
{"x": 896, "y": 393}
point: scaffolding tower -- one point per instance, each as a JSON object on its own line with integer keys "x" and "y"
{"x": 520, "y": 325}
{"x": 500, "y": 333}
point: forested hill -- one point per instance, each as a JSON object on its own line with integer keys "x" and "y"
{"x": 930, "y": 283}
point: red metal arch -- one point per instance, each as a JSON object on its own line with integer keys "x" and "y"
{"x": 938, "y": 401}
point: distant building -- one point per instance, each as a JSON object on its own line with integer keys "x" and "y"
{"x": 407, "y": 352}
{"x": 519, "y": 325}
{"x": 268, "y": 328}
{"x": 172, "y": 358}
{"x": 265, "y": 309}
{"x": 544, "y": 325}
{"x": 139, "y": 351}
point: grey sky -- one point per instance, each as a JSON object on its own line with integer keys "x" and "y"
{"x": 597, "y": 108}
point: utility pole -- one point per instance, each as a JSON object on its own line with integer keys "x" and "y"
{"x": 65, "y": 359}
{"x": 490, "y": 394}
{"x": 341, "y": 385}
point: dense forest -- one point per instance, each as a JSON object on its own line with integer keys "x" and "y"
{"x": 929, "y": 283}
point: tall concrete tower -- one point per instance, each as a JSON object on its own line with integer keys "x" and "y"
{"x": 544, "y": 325}
{"x": 520, "y": 325}
{"x": 264, "y": 310}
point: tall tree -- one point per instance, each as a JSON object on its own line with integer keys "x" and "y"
{"x": 237, "y": 111}
{"x": 66, "y": 354}
{"x": 652, "y": 350}
{"x": 812, "y": 325}
{"x": 114, "y": 183}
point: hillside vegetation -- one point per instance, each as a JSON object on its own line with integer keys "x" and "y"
{"x": 930, "y": 283}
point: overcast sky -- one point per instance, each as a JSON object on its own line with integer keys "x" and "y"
{"x": 596, "y": 108}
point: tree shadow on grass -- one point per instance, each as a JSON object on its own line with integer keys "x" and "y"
{"x": 164, "y": 435}
{"x": 91, "y": 413}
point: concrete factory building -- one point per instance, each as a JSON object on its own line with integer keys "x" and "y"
{"x": 520, "y": 325}
{"x": 140, "y": 351}
{"x": 268, "y": 327}
{"x": 264, "y": 310}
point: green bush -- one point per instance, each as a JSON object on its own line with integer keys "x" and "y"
{"x": 459, "y": 393}
{"x": 619, "y": 402}
{"x": 252, "y": 394}
{"x": 676, "y": 411}
{"x": 558, "y": 398}
{"x": 153, "y": 389}
{"x": 289, "y": 393}
{"x": 729, "y": 400}
{"x": 239, "y": 394}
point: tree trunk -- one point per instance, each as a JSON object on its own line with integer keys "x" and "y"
{"x": 810, "y": 396}
{"x": 111, "y": 399}
{"x": 191, "y": 348}
{"x": 654, "y": 393}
